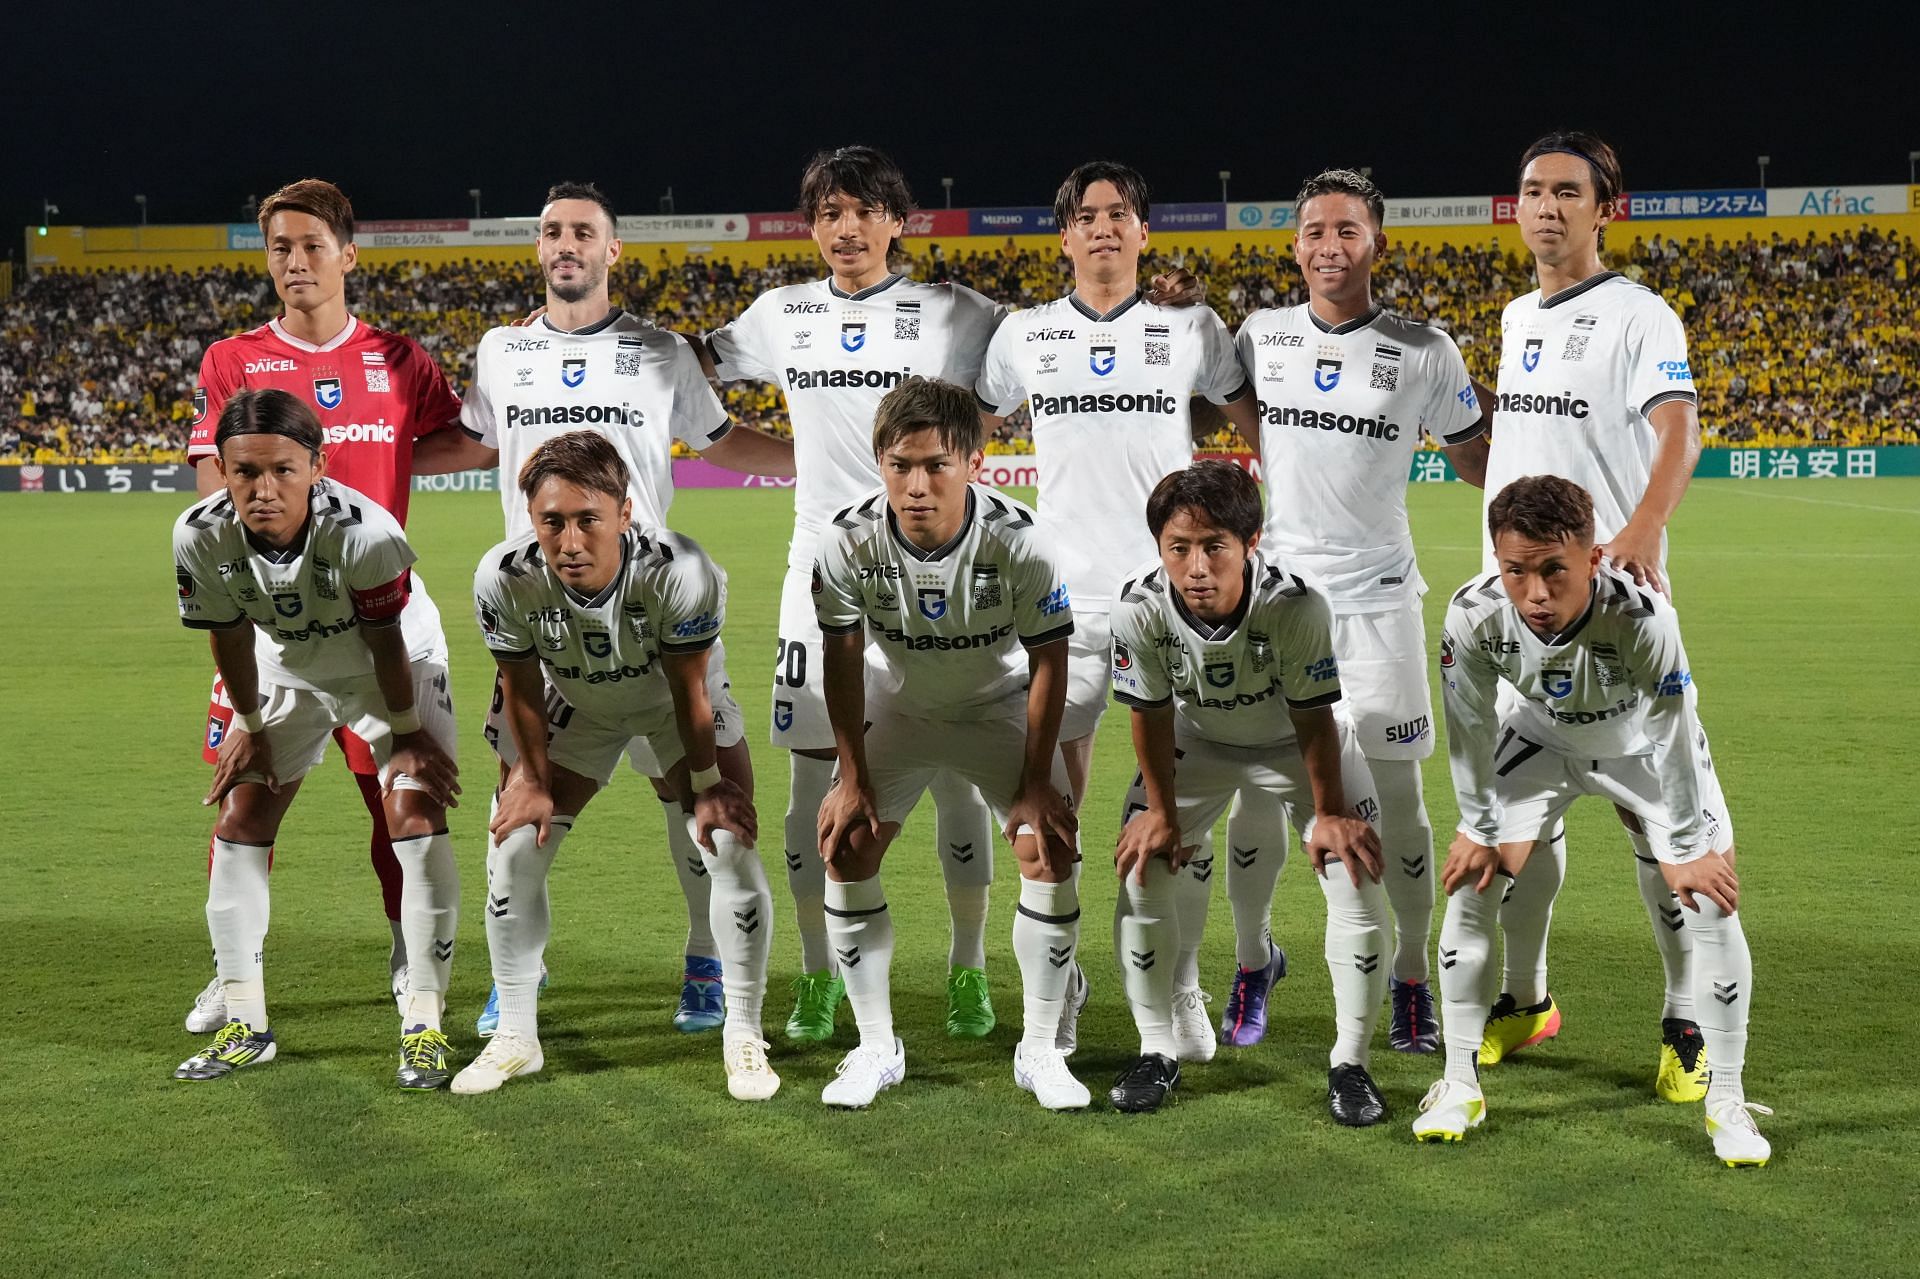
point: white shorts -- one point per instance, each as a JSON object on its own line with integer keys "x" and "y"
{"x": 1383, "y": 676}
{"x": 1536, "y": 785}
{"x": 651, "y": 750}
{"x": 799, "y": 689}
{"x": 905, "y": 754}
{"x": 1089, "y": 675}
{"x": 300, "y": 720}
{"x": 1207, "y": 775}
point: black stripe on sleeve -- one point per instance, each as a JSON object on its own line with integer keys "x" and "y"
{"x": 848, "y": 629}
{"x": 199, "y": 625}
{"x": 1245, "y": 388}
{"x": 1667, "y": 397}
{"x": 1141, "y": 703}
{"x": 1040, "y": 641}
{"x": 692, "y": 646}
{"x": 1315, "y": 703}
{"x": 1474, "y": 432}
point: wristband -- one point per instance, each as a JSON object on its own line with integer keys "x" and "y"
{"x": 254, "y": 721}
{"x": 705, "y": 778}
{"x": 402, "y": 722}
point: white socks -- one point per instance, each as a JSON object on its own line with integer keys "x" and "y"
{"x": 1256, "y": 854}
{"x": 237, "y": 923}
{"x": 1146, "y": 931}
{"x": 1526, "y": 915}
{"x": 809, "y": 781}
{"x": 1406, "y": 845}
{"x": 1722, "y": 981}
{"x": 430, "y": 918}
{"x": 1466, "y": 973}
{"x": 742, "y": 924}
{"x": 518, "y": 922}
{"x": 689, "y": 866}
{"x": 1356, "y": 944}
{"x": 964, "y": 834}
{"x": 1046, "y": 928}
{"x": 861, "y": 930}
{"x": 1192, "y": 889}
{"x": 1671, "y": 936}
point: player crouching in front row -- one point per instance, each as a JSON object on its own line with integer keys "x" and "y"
{"x": 1603, "y": 709}
{"x": 304, "y": 586}
{"x": 950, "y": 583}
{"x": 601, "y": 632}
{"x": 1227, "y": 661}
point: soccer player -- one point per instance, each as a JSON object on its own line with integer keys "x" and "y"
{"x": 1594, "y": 386}
{"x": 835, "y": 346}
{"x": 1108, "y": 376}
{"x": 970, "y": 618}
{"x": 1346, "y": 390}
{"x": 304, "y": 587}
{"x": 1226, "y": 659}
{"x": 1600, "y": 707}
{"x": 601, "y": 631}
{"x": 586, "y": 362}
{"x": 386, "y": 411}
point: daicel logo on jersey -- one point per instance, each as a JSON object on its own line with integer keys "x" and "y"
{"x": 326, "y": 392}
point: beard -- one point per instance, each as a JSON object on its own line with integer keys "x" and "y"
{"x": 583, "y": 286}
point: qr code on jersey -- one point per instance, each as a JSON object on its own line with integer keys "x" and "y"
{"x": 1157, "y": 353}
{"x": 626, "y": 363}
{"x": 906, "y": 328}
{"x": 1386, "y": 377}
{"x": 1576, "y": 346}
{"x": 376, "y": 379}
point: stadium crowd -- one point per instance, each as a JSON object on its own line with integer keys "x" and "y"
{"x": 1792, "y": 341}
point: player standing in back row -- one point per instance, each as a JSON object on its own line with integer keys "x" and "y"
{"x": 1595, "y": 387}
{"x": 1346, "y": 390}
{"x": 1109, "y": 377}
{"x": 386, "y": 411}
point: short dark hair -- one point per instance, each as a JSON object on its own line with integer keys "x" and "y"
{"x": 584, "y": 459}
{"x": 583, "y": 191}
{"x": 1602, "y": 163}
{"x": 868, "y": 174}
{"x": 1542, "y": 508}
{"x": 1127, "y": 181}
{"x": 1341, "y": 182}
{"x": 314, "y": 196}
{"x": 267, "y": 411}
{"x": 1220, "y": 491}
{"x": 922, "y": 403}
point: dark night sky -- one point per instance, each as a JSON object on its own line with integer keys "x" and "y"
{"x": 725, "y": 101}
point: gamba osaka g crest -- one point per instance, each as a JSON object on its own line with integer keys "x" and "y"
{"x": 326, "y": 392}
{"x": 1101, "y": 359}
{"x": 933, "y": 602}
{"x": 573, "y": 371}
{"x": 853, "y": 335}
{"x": 1530, "y": 355}
{"x": 1220, "y": 674}
{"x": 1326, "y": 374}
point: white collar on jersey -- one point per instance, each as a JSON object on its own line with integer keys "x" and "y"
{"x": 333, "y": 343}
{"x": 1354, "y": 325}
{"x": 939, "y": 552}
{"x": 1573, "y": 291}
{"x": 587, "y": 330}
{"x": 1139, "y": 296}
{"x": 867, "y": 292}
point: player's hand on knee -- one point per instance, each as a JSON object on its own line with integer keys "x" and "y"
{"x": 1045, "y": 812}
{"x": 1150, "y": 833}
{"x": 523, "y": 801}
{"x": 1710, "y": 876}
{"x": 423, "y": 759}
{"x": 846, "y": 806}
{"x": 241, "y": 753}
{"x": 1178, "y": 287}
{"x": 1469, "y": 862}
{"x": 1348, "y": 840}
{"x": 724, "y": 806}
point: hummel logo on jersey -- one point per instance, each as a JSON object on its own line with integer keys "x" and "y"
{"x": 326, "y": 392}
{"x": 1530, "y": 356}
{"x": 933, "y": 602}
{"x": 1326, "y": 375}
{"x": 1102, "y": 359}
{"x": 853, "y": 335}
{"x": 573, "y": 371}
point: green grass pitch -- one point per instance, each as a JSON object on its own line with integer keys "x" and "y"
{"x": 626, "y": 1155}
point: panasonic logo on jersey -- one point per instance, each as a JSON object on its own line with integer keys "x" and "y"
{"x": 1373, "y": 428}
{"x": 381, "y": 432}
{"x": 1157, "y": 401}
{"x": 572, "y": 415}
{"x": 821, "y": 379}
{"x": 1550, "y": 405}
{"x": 941, "y": 643}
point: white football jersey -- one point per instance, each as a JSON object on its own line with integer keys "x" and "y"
{"x": 834, "y": 355}
{"x": 1232, "y": 683}
{"x": 306, "y": 603}
{"x": 640, "y": 386}
{"x": 1342, "y": 410}
{"x": 1614, "y": 684}
{"x": 1111, "y": 417}
{"x": 948, "y": 625}
{"x": 1579, "y": 373}
{"x": 602, "y": 654}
